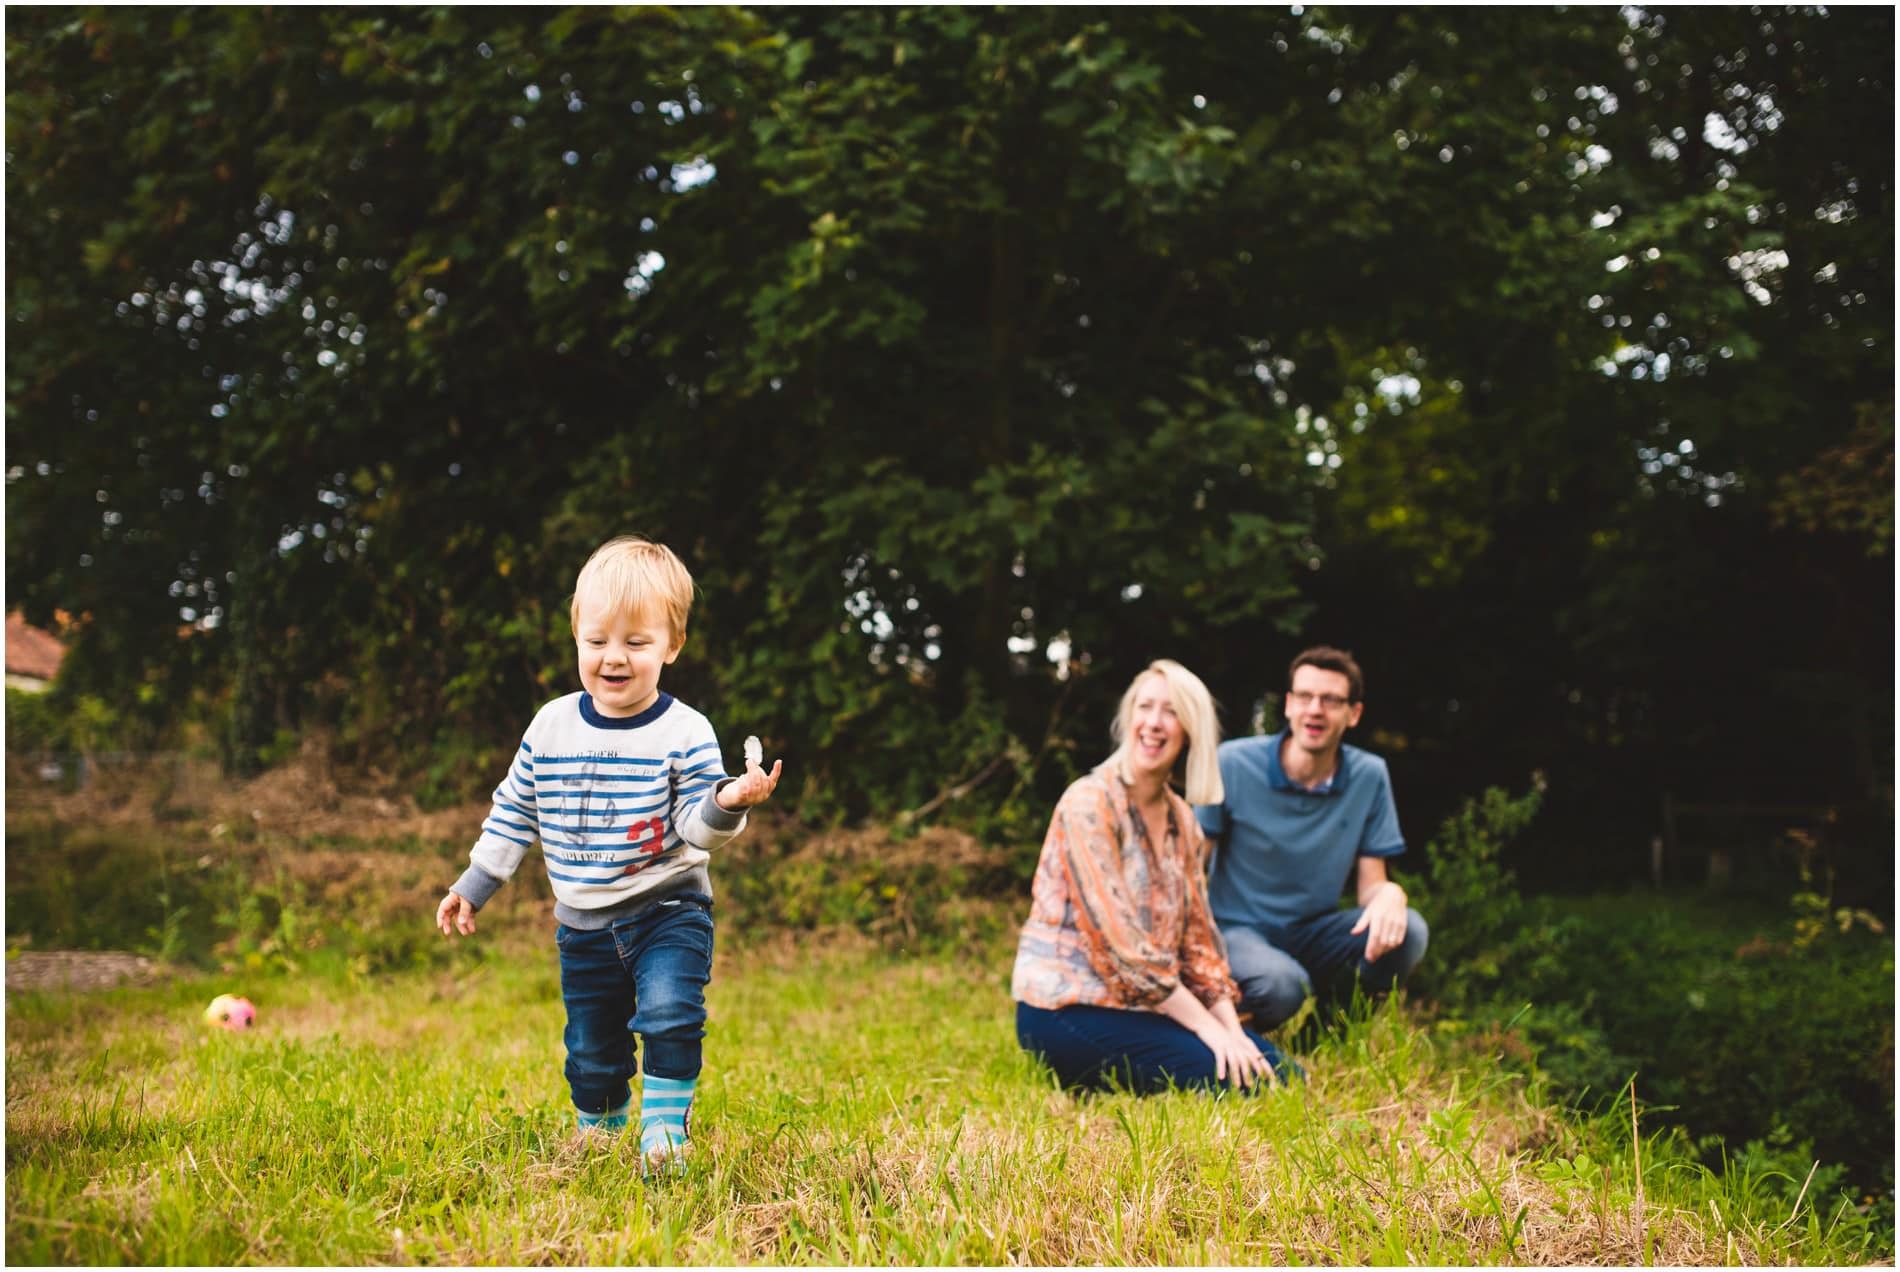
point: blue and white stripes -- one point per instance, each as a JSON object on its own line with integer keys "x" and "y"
{"x": 610, "y": 1122}
{"x": 621, "y": 806}
{"x": 665, "y": 1105}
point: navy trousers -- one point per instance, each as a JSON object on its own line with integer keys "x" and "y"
{"x": 644, "y": 975}
{"x": 1101, "y": 1048}
{"x": 1277, "y": 967}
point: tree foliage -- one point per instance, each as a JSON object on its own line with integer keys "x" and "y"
{"x": 970, "y": 357}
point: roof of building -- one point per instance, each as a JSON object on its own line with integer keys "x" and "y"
{"x": 30, "y": 651}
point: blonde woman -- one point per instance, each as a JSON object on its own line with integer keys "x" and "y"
{"x": 1121, "y": 978}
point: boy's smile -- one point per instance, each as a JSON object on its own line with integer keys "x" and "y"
{"x": 620, "y": 657}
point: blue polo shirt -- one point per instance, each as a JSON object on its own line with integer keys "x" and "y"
{"x": 1282, "y": 853}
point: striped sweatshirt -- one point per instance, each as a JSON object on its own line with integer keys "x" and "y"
{"x": 622, "y": 806}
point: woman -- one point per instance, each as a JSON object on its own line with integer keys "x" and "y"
{"x": 1120, "y": 976}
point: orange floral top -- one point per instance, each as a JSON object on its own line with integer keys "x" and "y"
{"x": 1114, "y": 920}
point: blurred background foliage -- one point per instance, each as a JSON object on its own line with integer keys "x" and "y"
{"x": 972, "y": 358}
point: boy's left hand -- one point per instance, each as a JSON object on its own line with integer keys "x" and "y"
{"x": 755, "y": 786}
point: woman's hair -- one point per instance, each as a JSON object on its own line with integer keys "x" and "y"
{"x": 1194, "y": 708}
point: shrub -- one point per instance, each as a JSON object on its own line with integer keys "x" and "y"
{"x": 459, "y": 770}
{"x": 1730, "y": 1030}
{"x": 33, "y": 724}
{"x": 1472, "y": 901}
{"x": 106, "y": 890}
{"x": 938, "y": 888}
{"x": 1742, "y": 1037}
{"x": 63, "y": 722}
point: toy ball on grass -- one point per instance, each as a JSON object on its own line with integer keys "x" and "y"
{"x": 230, "y": 1012}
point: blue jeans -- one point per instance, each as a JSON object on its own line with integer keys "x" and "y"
{"x": 1277, "y": 967}
{"x": 646, "y": 974}
{"x": 1097, "y": 1048}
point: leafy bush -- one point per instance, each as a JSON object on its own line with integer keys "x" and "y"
{"x": 1556, "y": 1040}
{"x": 458, "y": 770}
{"x": 936, "y": 889}
{"x": 1472, "y": 902}
{"x": 1730, "y": 1029}
{"x": 100, "y": 890}
{"x": 62, "y": 722}
{"x": 1742, "y": 1037}
{"x": 32, "y": 723}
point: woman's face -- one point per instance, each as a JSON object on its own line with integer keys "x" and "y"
{"x": 1155, "y": 736}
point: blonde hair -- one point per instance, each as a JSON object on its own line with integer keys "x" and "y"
{"x": 633, "y": 575}
{"x": 1194, "y": 708}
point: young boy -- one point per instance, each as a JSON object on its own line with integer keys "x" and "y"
{"x": 625, "y": 789}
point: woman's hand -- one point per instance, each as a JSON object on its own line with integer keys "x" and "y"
{"x": 1236, "y": 1060}
{"x": 1228, "y": 1020}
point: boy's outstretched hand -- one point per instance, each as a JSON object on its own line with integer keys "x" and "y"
{"x": 454, "y": 915}
{"x": 754, "y": 787}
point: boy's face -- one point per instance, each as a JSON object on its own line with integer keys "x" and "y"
{"x": 620, "y": 657}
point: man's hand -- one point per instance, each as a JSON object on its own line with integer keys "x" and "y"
{"x": 454, "y": 915}
{"x": 755, "y": 787}
{"x": 1383, "y": 921}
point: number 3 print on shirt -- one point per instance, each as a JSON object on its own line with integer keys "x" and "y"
{"x": 652, "y": 848}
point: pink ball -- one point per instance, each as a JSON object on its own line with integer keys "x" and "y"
{"x": 228, "y": 1011}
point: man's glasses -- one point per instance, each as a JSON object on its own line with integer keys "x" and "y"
{"x": 1331, "y": 701}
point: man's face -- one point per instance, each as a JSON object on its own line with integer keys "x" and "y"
{"x": 1317, "y": 710}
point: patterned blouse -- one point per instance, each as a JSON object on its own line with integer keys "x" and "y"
{"x": 1116, "y": 921}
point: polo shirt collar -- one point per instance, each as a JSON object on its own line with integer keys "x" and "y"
{"x": 1279, "y": 781}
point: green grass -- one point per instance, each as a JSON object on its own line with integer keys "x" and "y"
{"x": 401, "y": 1100}
{"x": 856, "y": 1108}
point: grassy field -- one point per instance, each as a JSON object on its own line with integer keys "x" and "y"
{"x": 856, "y": 1108}
{"x": 401, "y": 1100}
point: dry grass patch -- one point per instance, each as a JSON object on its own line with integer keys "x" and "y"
{"x": 305, "y": 796}
{"x": 41, "y": 970}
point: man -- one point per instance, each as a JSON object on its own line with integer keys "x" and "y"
{"x": 1302, "y": 811}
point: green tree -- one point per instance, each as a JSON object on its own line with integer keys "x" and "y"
{"x": 971, "y": 357}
